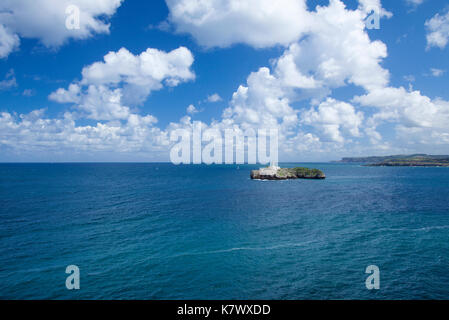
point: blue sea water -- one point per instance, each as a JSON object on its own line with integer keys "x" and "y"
{"x": 159, "y": 231}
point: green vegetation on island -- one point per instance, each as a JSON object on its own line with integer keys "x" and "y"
{"x": 276, "y": 173}
{"x": 414, "y": 160}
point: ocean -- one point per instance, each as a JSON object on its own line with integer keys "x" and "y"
{"x": 160, "y": 231}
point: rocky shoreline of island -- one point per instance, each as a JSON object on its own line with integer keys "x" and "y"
{"x": 276, "y": 173}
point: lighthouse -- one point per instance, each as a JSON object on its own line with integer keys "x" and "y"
{"x": 274, "y": 165}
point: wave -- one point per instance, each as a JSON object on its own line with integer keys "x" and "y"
{"x": 281, "y": 246}
{"x": 430, "y": 228}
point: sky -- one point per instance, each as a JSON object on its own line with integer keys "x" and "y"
{"x": 115, "y": 83}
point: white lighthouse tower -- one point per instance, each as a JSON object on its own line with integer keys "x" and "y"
{"x": 271, "y": 170}
{"x": 274, "y": 165}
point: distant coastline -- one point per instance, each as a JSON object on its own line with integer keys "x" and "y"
{"x": 414, "y": 160}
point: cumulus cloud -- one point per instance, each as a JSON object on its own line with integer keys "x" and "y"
{"x": 333, "y": 118}
{"x": 334, "y": 54}
{"x": 416, "y": 109}
{"x": 310, "y": 67}
{"x": 214, "y": 98}
{"x": 259, "y": 23}
{"x": 191, "y": 109}
{"x": 46, "y": 20}
{"x": 109, "y": 88}
{"x": 34, "y": 132}
{"x": 100, "y": 95}
{"x": 261, "y": 104}
{"x": 438, "y": 30}
{"x": 410, "y": 110}
{"x": 337, "y": 52}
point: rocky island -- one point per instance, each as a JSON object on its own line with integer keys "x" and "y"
{"x": 414, "y": 160}
{"x": 277, "y": 173}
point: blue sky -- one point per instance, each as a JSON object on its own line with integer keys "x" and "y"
{"x": 41, "y": 63}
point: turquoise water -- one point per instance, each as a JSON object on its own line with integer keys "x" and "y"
{"x": 159, "y": 231}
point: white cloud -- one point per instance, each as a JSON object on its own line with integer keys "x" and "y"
{"x": 9, "y": 81}
{"x": 259, "y": 23}
{"x": 99, "y": 95}
{"x": 338, "y": 51}
{"x": 214, "y": 98}
{"x": 33, "y": 132}
{"x": 109, "y": 88}
{"x": 8, "y": 42}
{"x": 410, "y": 78}
{"x": 261, "y": 104}
{"x": 311, "y": 68}
{"x": 414, "y": 3}
{"x": 437, "y": 72}
{"x": 46, "y": 20}
{"x": 334, "y": 54}
{"x": 333, "y": 118}
{"x": 410, "y": 110}
{"x": 191, "y": 109}
{"x": 28, "y": 92}
{"x": 103, "y": 103}
{"x": 438, "y": 30}
{"x": 149, "y": 69}
{"x": 72, "y": 95}
{"x": 368, "y": 6}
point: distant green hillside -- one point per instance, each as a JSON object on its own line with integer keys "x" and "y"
{"x": 415, "y": 160}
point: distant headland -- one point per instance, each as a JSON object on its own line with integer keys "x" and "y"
{"x": 413, "y": 160}
{"x": 276, "y": 173}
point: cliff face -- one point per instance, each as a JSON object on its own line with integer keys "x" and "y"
{"x": 287, "y": 174}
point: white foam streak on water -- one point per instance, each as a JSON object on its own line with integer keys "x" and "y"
{"x": 281, "y": 246}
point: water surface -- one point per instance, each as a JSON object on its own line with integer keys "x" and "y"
{"x": 159, "y": 231}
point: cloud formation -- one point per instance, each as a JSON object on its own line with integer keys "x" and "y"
{"x": 8, "y": 41}
{"x": 108, "y": 89}
{"x": 259, "y": 23}
{"x": 414, "y": 3}
{"x": 9, "y": 81}
{"x": 28, "y": 134}
{"x": 438, "y": 30}
{"x": 326, "y": 50}
{"x": 191, "y": 109}
{"x": 437, "y": 72}
{"x": 214, "y": 98}
{"x": 333, "y": 117}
